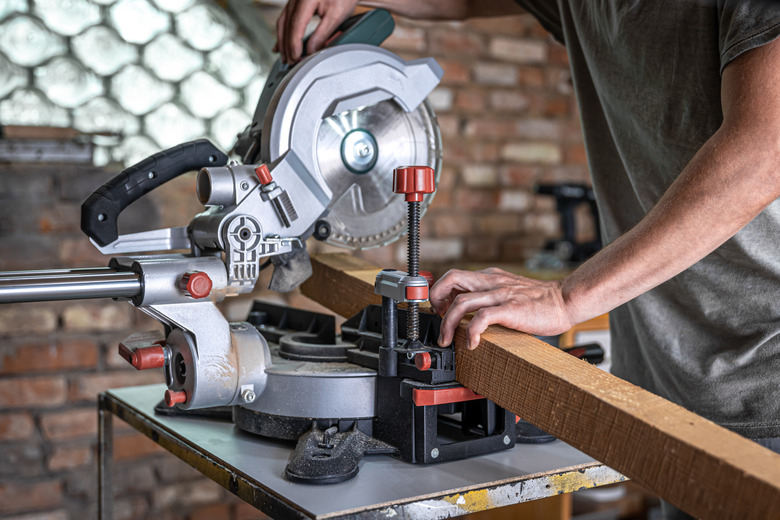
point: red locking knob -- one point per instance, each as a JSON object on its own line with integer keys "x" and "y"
{"x": 148, "y": 357}
{"x": 264, "y": 174}
{"x": 428, "y": 277}
{"x": 414, "y": 182}
{"x": 422, "y": 360}
{"x": 196, "y": 284}
{"x": 173, "y": 397}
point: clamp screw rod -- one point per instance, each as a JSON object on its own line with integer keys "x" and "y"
{"x": 413, "y": 269}
{"x": 413, "y": 182}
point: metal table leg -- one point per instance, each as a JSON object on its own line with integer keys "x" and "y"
{"x": 105, "y": 458}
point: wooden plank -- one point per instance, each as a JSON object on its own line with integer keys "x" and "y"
{"x": 707, "y": 470}
{"x": 342, "y": 283}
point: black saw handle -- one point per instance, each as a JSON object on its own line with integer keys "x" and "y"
{"x": 100, "y": 212}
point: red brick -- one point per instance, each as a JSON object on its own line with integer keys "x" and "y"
{"x": 81, "y": 422}
{"x": 16, "y": 426}
{"x": 455, "y": 72}
{"x": 482, "y": 249}
{"x": 522, "y": 248}
{"x": 47, "y": 515}
{"x": 546, "y": 224}
{"x": 66, "y": 458}
{"x": 27, "y": 318}
{"x": 518, "y": 50}
{"x": 31, "y": 392}
{"x": 534, "y": 28}
{"x": 441, "y": 99}
{"x": 406, "y": 39}
{"x": 515, "y": 200}
{"x": 449, "y": 40}
{"x": 134, "y": 445}
{"x": 559, "y": 106}
{"x": 479, "y": 175}
{"x": 519, "y": 175}
{"x": 558, "y": 55}
{"x": 53, "y": 356}
{"x": 211, "y": 512}
{"x": 80, "y": 252}
{"x": 470, "y": 100}
{"x": 449, "y": 126}
{"x": 104, "y": 316}
{"x": 16, "y": 497}
{"x": 560, "y": 80}
{"x": 531, "y": 77}
{"x": 450, "y": 224}
{"x": 509, "y": 100}
{"x": 440, "y": 250}
{"x": 199, "y": 492}
{"x": 471, "y": 199}
{"x": 86, "y": 388}
{"x": 490, "y": 128}
{"x": 499, "y": 224}
{"x": 443, "y": 200}
{"x": 59, "y": 218}
{"x": 575, "y": 154}
{"x": 132, "y": 508}
{"x": 533, "y": 152}
{"x": 510, "y": 25}
{"x": 482, "y": 151}
{"x": 495, "y": 74}
{"x": 541, "y": 128}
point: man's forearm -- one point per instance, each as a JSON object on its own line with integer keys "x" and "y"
{"x": 727, "y": 184}
{"x": 446, "y": 9}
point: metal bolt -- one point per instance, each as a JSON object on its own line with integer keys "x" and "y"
{"x": 362, "y": 149}
{"x": 244, "y": 185}
{"x": 507, "y": 440}
{"x": 248, "y": 395}
{"x": 435, "y": 453}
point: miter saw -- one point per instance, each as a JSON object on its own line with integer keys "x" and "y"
{"x": 318, "y": 160}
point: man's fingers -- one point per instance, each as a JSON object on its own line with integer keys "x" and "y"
{"x": 298, "y": 17}
{"x": 330, "y": 21}
{"x": 462, "y": 305}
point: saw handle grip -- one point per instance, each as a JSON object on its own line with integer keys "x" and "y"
{"x": 100, "y": 212}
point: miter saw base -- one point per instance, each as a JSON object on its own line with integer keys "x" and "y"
{"x": 420, "y": 416}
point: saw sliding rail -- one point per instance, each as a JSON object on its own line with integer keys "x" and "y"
{"x": 67, "y": 284}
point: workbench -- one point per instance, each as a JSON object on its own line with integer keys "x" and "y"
{"x": 252, "y": 468}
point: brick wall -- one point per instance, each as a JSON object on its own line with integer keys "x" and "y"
{"x": 508, "y": 120}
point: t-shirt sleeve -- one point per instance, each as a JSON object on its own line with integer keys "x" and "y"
{"x": 745, "y": 25}
{"x": 548, "y": 14}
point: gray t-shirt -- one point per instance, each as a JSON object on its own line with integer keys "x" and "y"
{"x": 647, "y": 75}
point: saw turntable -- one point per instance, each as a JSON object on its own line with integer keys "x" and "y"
{"x": 321, "y": 158}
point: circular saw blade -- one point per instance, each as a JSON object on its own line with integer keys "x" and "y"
{"x": 356, "y": 154}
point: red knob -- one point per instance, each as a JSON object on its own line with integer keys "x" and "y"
{"x": 264, "y": 174}
{"x": 428, "y": 277}
{"x": 422, "y": 360}
{"x": 173, "y": 397}
{"x": 148, "y": 357}
{"x": 196, "y": 284}
{"x": 414, "y": 181}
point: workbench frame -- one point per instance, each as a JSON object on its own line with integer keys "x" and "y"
{"x": 447, "y": 503}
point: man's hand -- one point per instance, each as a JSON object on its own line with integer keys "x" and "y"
{"x": 291, "y": 25}
{"x": 499, "y": 297}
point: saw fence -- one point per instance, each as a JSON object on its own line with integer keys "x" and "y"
{"x": 693, "y": 463}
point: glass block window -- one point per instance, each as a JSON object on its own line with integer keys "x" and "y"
{"x": 143, "y": 75}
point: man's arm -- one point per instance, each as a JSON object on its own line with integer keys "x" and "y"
{"x": 731, "y": 179}
{"x": 291, "y": 25}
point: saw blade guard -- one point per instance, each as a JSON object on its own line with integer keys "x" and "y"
{"x": 350, "y": 115}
